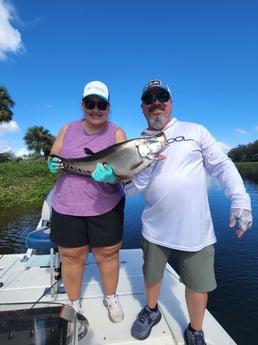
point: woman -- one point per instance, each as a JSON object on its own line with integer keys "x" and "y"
{"x": 88, "y": 214}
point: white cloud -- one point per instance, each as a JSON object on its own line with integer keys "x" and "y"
{"x": 9, "y": 127}
{"x": 10, "y": 37}
{"x": 256, "y": 128}
{"x": 13, "y": 146}
{"x": 21, "y": 152}
{"x": 241, "y": 131}
{"x": 225, "y": 147}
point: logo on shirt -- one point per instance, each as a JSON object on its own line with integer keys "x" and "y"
{"x": 178, "y": 139}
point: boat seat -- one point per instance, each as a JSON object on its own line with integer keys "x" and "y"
{"x": 39, "y": 239}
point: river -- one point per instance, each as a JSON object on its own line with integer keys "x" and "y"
{"x": 235, "y": 301}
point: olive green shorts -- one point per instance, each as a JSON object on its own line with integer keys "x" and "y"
{"x": 196, "y": 269}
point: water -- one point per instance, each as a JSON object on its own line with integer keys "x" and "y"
{"x": 15, "y": 224}
{"x": 234, "y": 303}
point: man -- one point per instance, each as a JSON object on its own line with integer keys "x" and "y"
{"x": 177, "y": 214}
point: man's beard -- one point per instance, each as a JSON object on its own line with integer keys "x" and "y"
{"x": 157, "y": 121}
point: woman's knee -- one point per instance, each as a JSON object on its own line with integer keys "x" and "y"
{"x": 79, "y": 254}
{"x": 106, "y": 253}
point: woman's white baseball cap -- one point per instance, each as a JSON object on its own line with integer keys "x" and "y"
{"x": 96, "y": 88}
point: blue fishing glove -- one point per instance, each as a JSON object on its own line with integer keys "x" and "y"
{"x": 103, "y": 174}
{"x": 54, "y": 164}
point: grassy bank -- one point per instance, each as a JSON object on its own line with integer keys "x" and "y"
{"x": 24, "y": 182}
{"x": 248, "y": 170}
{"x": 28, "y": 181}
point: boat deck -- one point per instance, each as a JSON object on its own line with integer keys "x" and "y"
{"x": 29, "y": 281}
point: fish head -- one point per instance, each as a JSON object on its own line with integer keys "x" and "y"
{"x": 152, "y": 146}
{"x": 161, "y": 137}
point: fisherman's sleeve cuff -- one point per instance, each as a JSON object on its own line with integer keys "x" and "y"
{"x": 129, "y": 188}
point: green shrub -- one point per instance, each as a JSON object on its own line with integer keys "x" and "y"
{"x": 25, "y": 182}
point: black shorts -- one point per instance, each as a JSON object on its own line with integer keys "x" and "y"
{"x": 97, "y": 231}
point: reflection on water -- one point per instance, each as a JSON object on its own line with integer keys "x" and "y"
{"x": 15, "y": 224}
{"x": 234, "y": 303}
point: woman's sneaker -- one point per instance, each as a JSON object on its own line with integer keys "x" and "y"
{"x": 115, "y": 310}
{"x": 82, "y": 322}
{"x": 145, "y": 321}
{"x": 194, "y": 337}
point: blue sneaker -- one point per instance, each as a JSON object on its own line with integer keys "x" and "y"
{"x": 194, "y": 338}
{"x": 146, "y": 319}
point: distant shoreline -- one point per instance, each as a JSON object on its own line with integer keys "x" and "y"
{"x": 28, "y": 181}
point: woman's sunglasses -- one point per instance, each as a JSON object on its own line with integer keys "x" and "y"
{"x": 162, "y": 97}
{"x": 101, "y": 105}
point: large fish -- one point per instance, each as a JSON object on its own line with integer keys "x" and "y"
{"x": 126, "y": 158}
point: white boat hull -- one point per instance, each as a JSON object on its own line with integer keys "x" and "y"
{"x": 29, "y": 281}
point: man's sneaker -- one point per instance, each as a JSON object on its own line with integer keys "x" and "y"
{"x": 146, "y": 319}
{"x": 115, "y": 311}
{"x": 194, "y": 338}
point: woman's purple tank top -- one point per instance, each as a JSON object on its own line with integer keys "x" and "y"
{"x": 81, "y": 195}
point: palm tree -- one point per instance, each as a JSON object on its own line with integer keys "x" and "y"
{"x": 5, "y": 103}
{"x": 39, "y": 139}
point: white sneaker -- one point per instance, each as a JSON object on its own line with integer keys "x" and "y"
{"x": 115, "y": 310}
{"x": 77, "y": 307}
{"x": 82, "y": 322}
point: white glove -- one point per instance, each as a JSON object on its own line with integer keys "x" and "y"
{"x": 244, "y": 219}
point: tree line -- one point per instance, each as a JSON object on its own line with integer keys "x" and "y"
{"x": 245, "y": 153}
{"x": 40, "y": 140}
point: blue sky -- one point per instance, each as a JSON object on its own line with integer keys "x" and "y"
{"x": 206, "y": 50}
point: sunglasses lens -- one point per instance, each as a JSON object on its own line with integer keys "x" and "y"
{"x": 102, "y": 105}
{"x": 149, "y": 99}
{"x": 162, "y": 97}
{"x": 89, "y": 104}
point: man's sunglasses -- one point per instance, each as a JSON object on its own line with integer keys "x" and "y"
{"x": 101, "y": 105}
{"x": 162, "y": 97}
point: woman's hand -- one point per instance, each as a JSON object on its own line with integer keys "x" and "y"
{"x": 54, "y": 164}
{"x": 103, "y": 173}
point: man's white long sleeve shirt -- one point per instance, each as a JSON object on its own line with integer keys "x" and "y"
{"x": 177, "y": 213}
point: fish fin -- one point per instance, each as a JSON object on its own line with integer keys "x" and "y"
{"x": 134, "y": 167}
{"x": 129, "y": 176}
{"x": 124, "y": 177}
{"x": 88, "y": 151}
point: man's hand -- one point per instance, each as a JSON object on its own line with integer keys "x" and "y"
{"x": 103, "y": 173}
{"x": 244, "y": 219}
